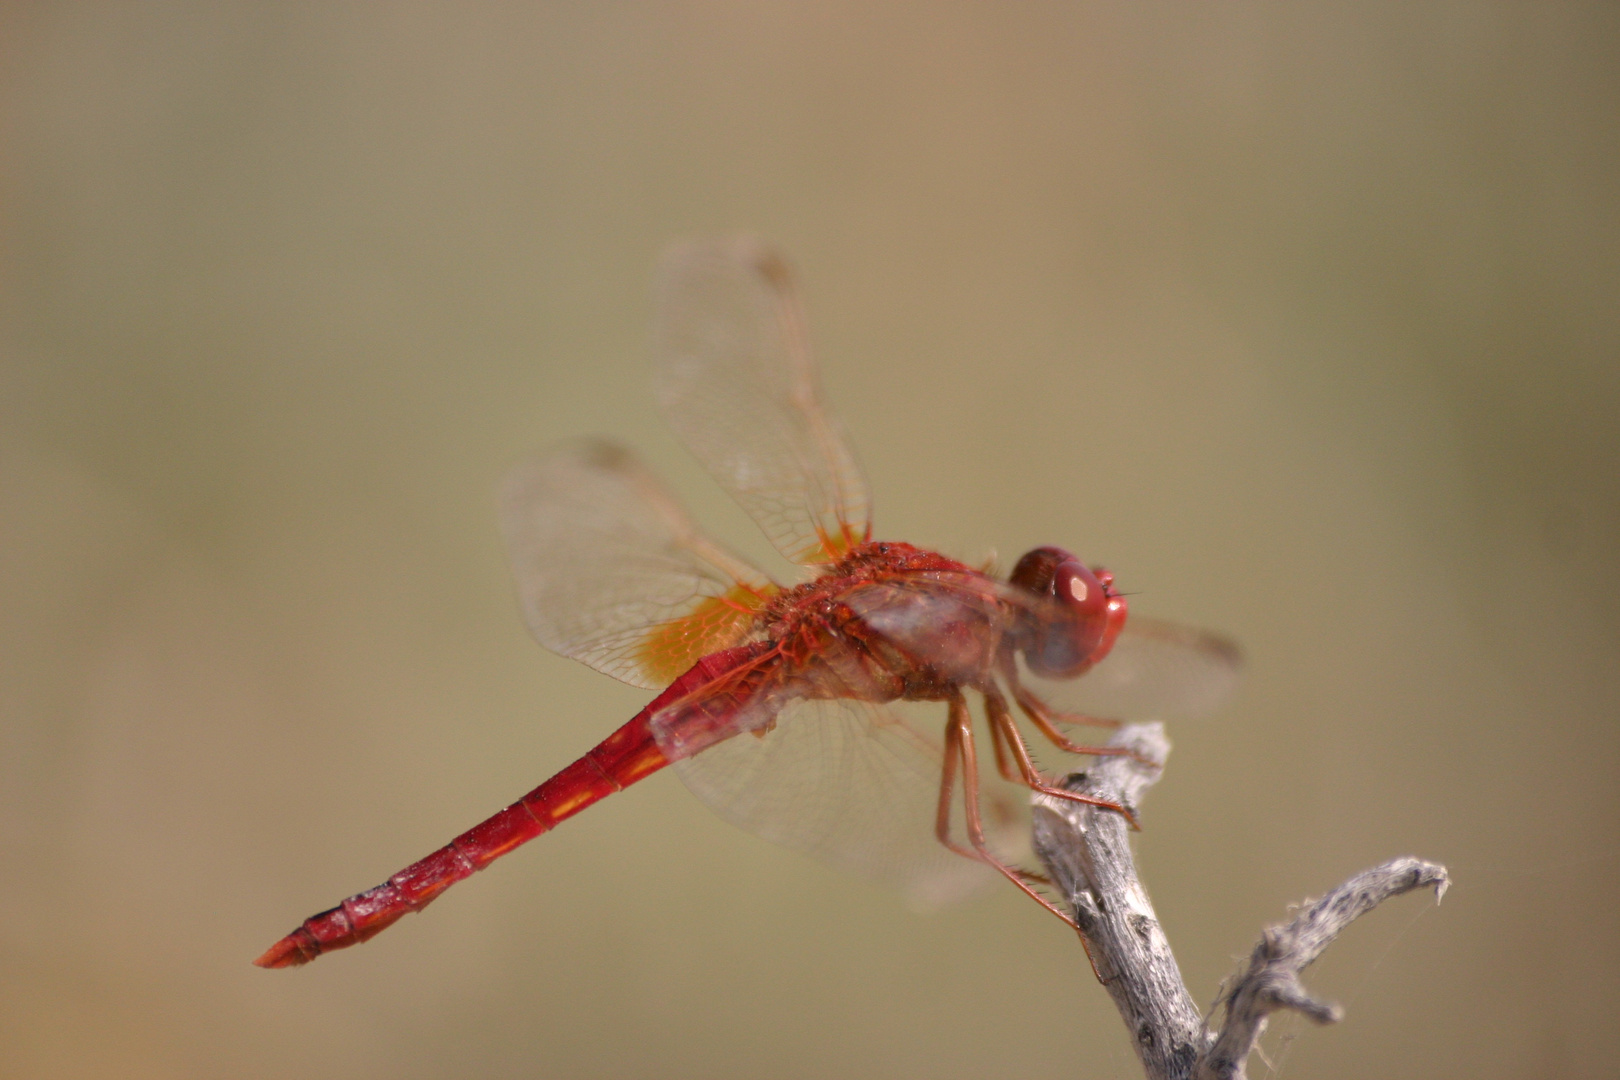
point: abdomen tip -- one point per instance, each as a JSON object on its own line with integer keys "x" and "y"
{"x": 288, "y": 952}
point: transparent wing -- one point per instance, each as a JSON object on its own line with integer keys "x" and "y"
{"x": 611, "y": 572}
{"x": 1156, "y": 670}
{"x": 858, "y": 787}
{"x": 951, "y": 622}
{"x": 738, "y": 385}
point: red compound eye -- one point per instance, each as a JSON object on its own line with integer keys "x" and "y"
{"x": 1062, "y": 640}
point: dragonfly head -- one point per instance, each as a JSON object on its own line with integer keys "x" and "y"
{"x": 1062, "y": 639}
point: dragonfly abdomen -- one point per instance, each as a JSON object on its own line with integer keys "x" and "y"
{"x": 629, "y": 754}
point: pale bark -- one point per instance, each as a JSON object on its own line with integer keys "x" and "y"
{"x": 1088, "y": 855}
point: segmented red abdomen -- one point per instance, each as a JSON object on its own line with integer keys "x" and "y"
{"x": 627, "y": 755}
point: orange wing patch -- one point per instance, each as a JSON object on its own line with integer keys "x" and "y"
{"x": 719, "y": 622}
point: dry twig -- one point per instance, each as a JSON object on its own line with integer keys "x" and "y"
{"x": 1087, "y": 852}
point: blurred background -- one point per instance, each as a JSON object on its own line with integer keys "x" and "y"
{"x": 1303, "y": 321}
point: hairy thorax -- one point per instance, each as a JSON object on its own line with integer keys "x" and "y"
{"x": 888, "y": 621}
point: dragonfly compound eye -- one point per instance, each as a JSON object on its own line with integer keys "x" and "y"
{"x": 1064, "y": 638}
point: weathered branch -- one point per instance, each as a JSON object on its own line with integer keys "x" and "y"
{"x": 1271, "y": 980}
{"x": 1087, "y": 852}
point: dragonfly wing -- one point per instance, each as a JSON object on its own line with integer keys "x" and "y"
{"x": 738, "y": 385}
{"x": 611, "y": 572}
{"x": 1156, "y": 670}
{"x": 947, "y": 621}
{"x": 857, "y": 786}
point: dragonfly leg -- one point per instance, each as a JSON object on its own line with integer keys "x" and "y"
{"x": 1043, "y": 716}
{"x": 1001, "y": 719}
{"x": 947, "y": 786}
{"x": 1004, "y": 762}
{"x": 1005, "y": 766}
{"x": 959, "y": 748}
{"x": 1001, "y": 723}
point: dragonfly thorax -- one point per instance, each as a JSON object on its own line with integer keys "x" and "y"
{"x": 889, "y": 620}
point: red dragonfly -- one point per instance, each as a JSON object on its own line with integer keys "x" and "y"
{"x": 781, "y": 705}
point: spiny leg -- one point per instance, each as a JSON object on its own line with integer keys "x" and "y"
{"x": 1009, "y": 773}
{"x": 1042, "y": 716}
{"x": 947, "y": 785}
{"x": 1001, "y": 719}
{"x": 1004, "y": 762}
{"x": 955, "y": 736}
{"x": 942, "y": 821}
{"x": 1001, "y": 723}
{"x": 1027, "y": 700}
{"x": 959, "y": 743}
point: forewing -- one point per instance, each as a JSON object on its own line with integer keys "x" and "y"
{"x": 856, "y": 786}
{"x": 611, "y": 572}
{"x": 738, "y": 385}
{"x": 1156, "y": 670}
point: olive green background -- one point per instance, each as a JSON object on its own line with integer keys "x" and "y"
{"x": 1302, "y": 319}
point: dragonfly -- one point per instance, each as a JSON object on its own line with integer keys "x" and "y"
{"x": 807, "y": 712}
